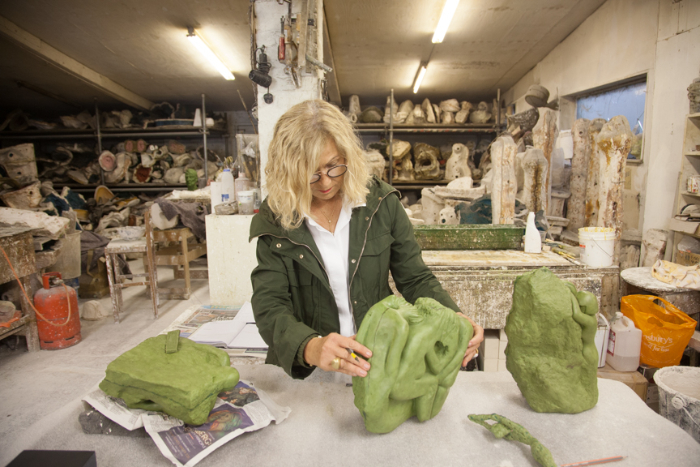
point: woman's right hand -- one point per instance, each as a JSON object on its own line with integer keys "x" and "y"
{"x": 322, "y": 351}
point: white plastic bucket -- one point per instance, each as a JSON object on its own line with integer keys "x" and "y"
{"x": 246, "y": 202}
{"x": 679, "y": 397}
{"x": 597, "y": 246}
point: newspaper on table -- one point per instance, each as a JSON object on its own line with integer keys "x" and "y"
{"x": 239, "y": 410}
{"x": 194, "y": 317}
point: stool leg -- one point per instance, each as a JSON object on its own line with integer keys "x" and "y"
{"x": 186, "y": 265}
{"x": 112, "y": 286}
{"x": 153, "y": 280}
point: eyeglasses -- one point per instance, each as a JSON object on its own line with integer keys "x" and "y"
{"x": 334, "y": 172}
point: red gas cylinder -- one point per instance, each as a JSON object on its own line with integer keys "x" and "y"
{"x": 58, "y": 317}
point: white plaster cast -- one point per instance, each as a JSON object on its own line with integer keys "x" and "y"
{"x": 432, "y": 205}
{"x": 457, "y": 165}
{"x": 612, "y": 146}
{"x": 448, "y": 216}
{"x": 544, "y": 135}
{"x": 535, "y": 179}
{"x": 504, "y": 184}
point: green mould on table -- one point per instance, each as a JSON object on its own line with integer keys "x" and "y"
{"x": 508, "y": 429}
{"x": 551, "y": 350}
{"x": 416, "y": 355}
{"x": 183, "y": 384}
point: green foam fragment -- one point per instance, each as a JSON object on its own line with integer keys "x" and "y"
{"x": 183, "y": 384}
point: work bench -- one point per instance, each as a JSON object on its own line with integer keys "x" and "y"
{"x": 481, "y": 281}
{"x": 325, "y": 428}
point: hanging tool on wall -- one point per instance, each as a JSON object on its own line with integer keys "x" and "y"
{"x": 260, "y": 75}
{"x": 281, "y": 45}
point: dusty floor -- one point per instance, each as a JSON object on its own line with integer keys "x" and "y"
{"x": 41, "y": 391}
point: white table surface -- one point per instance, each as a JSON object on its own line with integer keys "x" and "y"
{"x": 325, "y": 428}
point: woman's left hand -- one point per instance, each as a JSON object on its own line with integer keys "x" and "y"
{"x": 477, "y": 339}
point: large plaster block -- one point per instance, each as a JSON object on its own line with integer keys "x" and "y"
{"x": 535, "y": 180}
{"x": 230, "y": 259}
{"x": 593, "y": 177}
{"x": 612, "y": 145}
{"x": 489, "y": 347}
{"x": 544, "y": 136}
{"x": 579, "y": 173}
{"x": 504, "y": 184}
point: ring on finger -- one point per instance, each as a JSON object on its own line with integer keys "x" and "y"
{"x": 336, "y": 363}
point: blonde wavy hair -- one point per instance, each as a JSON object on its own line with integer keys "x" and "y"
{"x": 300, "y": 136}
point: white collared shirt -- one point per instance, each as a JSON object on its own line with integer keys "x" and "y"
{"x": 334, "y": 254}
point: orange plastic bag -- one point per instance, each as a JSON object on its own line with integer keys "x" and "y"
{"x": 666, "y": 330}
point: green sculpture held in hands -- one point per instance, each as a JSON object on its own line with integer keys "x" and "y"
{"x": 508, "y": 429}
{"x": 551, "y": 350}
{"x": 416, "y": 355}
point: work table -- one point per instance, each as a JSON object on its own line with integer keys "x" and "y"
{"x": 325, "y": 428}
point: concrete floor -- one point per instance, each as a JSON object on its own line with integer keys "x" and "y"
{"x": 40, "y": 391}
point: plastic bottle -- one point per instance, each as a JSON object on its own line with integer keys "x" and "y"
{"x": 533, "y": 241}
{"x": 227, "y": 187}
{"x": 624, "y": 344}
{"x": 243, "y": 183}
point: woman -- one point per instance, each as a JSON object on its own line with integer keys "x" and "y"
{"x": 328, "y": 236}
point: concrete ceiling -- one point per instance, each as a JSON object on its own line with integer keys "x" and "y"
{"x": 377, "y": 45}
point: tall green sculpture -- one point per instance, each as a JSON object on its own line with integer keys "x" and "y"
{"x": 551, "y": 350}
{"x": 417, "y": 351}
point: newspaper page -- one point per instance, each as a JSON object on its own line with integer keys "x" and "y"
{"x": 239, "y": 410}
{"x": 115, "y": 409}
{"x": 194, "y": 317}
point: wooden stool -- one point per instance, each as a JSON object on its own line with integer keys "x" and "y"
{"x": 116, "y": 279}
{"x": 178, "y": 256}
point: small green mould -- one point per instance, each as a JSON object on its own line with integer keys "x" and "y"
{"x": 508, "y": 429}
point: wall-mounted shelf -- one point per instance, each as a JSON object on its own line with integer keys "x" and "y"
{"x": 690, "y": 166}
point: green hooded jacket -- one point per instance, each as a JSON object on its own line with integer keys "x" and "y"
{"x": 292, "y": 298}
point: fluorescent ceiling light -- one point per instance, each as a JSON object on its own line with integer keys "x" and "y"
{"x": 445, "y": 19}
{"x": 204, "y": 49}
{"x": 419, "y": 78}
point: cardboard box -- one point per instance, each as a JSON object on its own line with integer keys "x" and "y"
{"x": 632, "y": 379}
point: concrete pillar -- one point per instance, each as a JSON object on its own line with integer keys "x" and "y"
{"x": 593, "y": 177}
{"x": 535, "y": 168}
{"x": 504, "y": 184}
{"x": 544, "y": 135}
{"x": 612, "y": 146}
{"x": 286, "y": 94}
{"x": 579, "y": 174}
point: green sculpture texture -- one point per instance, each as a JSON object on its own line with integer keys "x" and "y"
{"x": 417, "y": 351}
{"x": 551, "y": 350}
{"x": 508, "y": 429}
{"x": 183, "y": 384}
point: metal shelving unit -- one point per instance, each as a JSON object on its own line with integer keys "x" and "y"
{"x": 388, "y": 129}
{"x": 99, "y": 134}
{"x": 690, "y": 166}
